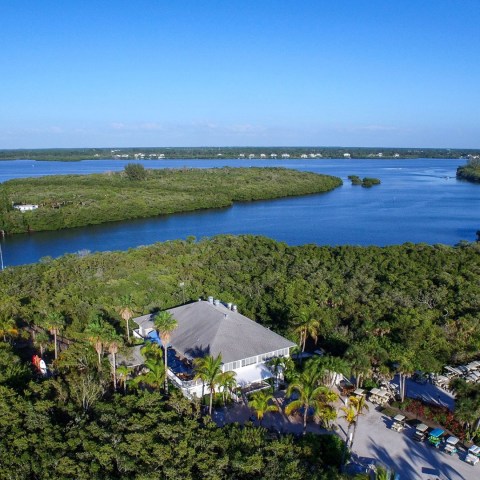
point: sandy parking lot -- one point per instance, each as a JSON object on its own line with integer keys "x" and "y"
{"x": 376, "y": 443}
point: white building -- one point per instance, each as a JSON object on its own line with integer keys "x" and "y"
{"x": 26, "y": 208}
{"x": 213, "y": 328}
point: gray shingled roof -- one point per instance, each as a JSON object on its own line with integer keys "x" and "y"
{"x": 207, "y": 329}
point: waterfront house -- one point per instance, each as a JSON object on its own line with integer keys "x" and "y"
{"x": 214, "y": 328}
{"x": 26, "y": 208}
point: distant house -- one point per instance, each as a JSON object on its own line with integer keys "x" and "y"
{"x": 346, "y": 155}
{"x": 273, "y": 155}
{"x": 26, "y": 208}
{"x": 213, "y": 328}
{"x": 303, "y": 155}
{"x": 262, "y": 155}
{"x": 285, "y": 155}
{"x": 251, "y": 156}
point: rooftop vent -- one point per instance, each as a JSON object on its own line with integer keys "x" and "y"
{"x": 216, "y": 302}
{"x": 229, "y": 305}
{"x": 210, "y": 300}
{"x": 234, "y": 308}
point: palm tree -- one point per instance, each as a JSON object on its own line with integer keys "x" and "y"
{"x": 126, "y": 312}
{"x": 152, "y": 350}
{"x": 209, "y": 369}
{"x": 349, "y": 414}
{"x": 356, "y": 408}
{"x": 123, "y": 372}
{"x": 114, "y": 342}
{"x": 41, "y": 341}
{"x": 261, "y": 404}
{"x": 155, "y": 377}
{"x": 405, "y": 369}
{"x": 306, "y": 326}
{"x": 98, "y": 333}
{"x": 327, "y": 412}
{"x": 310, "y": 395}
{"x": 359, "y": 362}
{"x": 226, "y": 382}
{"x": 276, "y": 365}
{"x": 328, "y": 367}
{"x": 165, "y": 323}
{"x": 55, "y": 322}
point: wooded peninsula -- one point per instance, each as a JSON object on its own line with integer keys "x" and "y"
{"x": 470, "y": 171}
{"x": 377, "y": 311}
{"x": 67, "y": 201}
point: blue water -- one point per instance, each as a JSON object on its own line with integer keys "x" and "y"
{"x": 418, "y": 201}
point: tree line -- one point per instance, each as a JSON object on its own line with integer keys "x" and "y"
{"x": 77, "y": 154}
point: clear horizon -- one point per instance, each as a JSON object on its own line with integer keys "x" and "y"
{"x": 231, "y": 74}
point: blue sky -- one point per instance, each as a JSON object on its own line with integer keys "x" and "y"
{"x": 254, "y": 72}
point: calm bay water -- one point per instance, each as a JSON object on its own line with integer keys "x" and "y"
{"x": 418, "y": 201}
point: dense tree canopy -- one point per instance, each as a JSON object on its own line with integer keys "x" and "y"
{"x": 402, "y": 307}
{"x": 418, "y": 303}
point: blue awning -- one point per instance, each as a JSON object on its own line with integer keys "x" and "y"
{"x": 438, "y": 432}
{"x": 153, "y": 337}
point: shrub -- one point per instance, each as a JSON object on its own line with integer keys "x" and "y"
{"x": 135, "y": 171}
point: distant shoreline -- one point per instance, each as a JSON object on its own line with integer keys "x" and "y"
{"x": 247, "y": 153}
